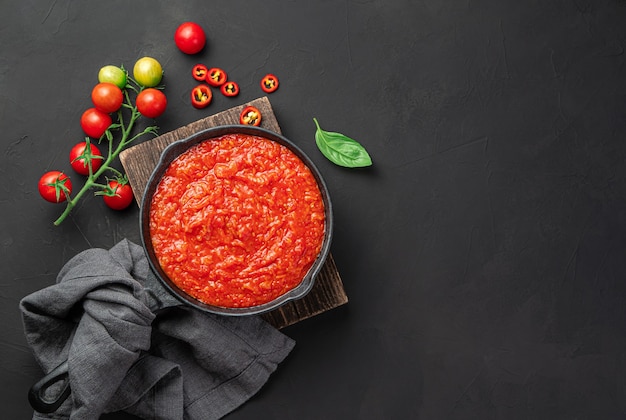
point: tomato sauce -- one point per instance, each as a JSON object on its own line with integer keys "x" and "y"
{"x": 237, "y": 221}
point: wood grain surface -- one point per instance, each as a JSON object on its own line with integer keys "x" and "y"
{"x": 139, "y": 161}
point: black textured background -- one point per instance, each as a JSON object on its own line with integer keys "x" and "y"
{"x": 483, "y": 253}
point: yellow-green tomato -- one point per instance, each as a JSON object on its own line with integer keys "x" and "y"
{"x": 148, "y": 72}
{"x": 112, "y": 74}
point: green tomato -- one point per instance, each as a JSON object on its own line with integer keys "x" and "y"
{"x": 112, "y": 74}
{"x": 148, "y": 72}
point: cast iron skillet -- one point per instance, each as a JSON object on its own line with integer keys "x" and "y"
{"x": 177, "y": 148}
{"x": 163, "y": 291}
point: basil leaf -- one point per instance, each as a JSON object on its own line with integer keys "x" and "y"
{"x": 341, "y": 149}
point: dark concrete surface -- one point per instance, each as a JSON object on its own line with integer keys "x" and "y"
{"x": 484, "y": 251}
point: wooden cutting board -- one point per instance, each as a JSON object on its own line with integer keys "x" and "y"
{"x": 139, "y": 161}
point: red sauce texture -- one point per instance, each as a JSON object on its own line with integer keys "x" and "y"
{"x": 237, "y": 221}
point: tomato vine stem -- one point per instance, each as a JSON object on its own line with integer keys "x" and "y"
{"x": 126, "y": 130}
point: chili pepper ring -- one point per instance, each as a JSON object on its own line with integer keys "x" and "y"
{"x": 199, "y": 72}
{"x": 250, "y": 115}
{"x": 230, "y": 89}
{"x": 216, "y": 77}
{"x": 269, "y": 83}
{"x": 201, "y": 96}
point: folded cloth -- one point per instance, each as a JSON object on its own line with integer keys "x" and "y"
{"x": 130, "y": 349}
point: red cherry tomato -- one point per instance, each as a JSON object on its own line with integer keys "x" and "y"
{"x": 269, "y": 83}
{"x": 55, "y": 186}
{"x": 81, "y": 155}
{"x": 201, "y": 96}
{"x": 250, "y": 115}
{"x": 230, "y": 89}
{"x": 190, "y": 38}
{"x": 199, "y": 72}
{"x": 151, "y": 103}
{"x": 107, "y": 97}
{"x": 216, "y": 77}
{"x": 123, "y": 195}
{"x": 95, "y": 122}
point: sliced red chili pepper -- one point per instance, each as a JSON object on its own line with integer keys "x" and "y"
{"x": 201, "y": 96}
{"x": 216, "y": 77}
{"x": 230, "y": 89}
{"x": 199, "y": 72}
{"x": 250, "y": 115}
{"x": 269, "y": 83}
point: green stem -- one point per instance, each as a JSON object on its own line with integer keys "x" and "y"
{"x": 116, "y": 172}
{"x": 113, "y": 153}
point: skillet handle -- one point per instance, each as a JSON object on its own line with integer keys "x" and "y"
{"x": 37, "y": 394}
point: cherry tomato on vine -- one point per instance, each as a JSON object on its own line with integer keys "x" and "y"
{"x": 190, "y": 38}
{"x": 55, "y": 186}
{"x": 107, "y": 97}
{"x": 123, "y": 195}
{"x": 94, "y": 122}
{"x": 81, "y": 155}
{"x": 201, "y": 96}
{"x": 151, "y": 102}
{"x": 230, "y": 89}
{"x": 113, "y": 74}
{"x": 269, "y": 83}
{"x": 250, "y": 115}
{"x": 148, "y": 72}
{"x": 216, "y": 77}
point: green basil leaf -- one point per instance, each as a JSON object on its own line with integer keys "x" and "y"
{"x": 341, "y": 149}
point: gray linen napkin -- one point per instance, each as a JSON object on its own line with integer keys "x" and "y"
{"x": 129, "y": 349}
